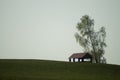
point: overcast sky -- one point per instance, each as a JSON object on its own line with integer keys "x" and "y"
{"x": 44, "y": 29}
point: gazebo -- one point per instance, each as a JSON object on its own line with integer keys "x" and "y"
{"x": 81, "y": 57}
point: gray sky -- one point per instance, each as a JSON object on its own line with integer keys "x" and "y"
{"x": 44, "y": 29}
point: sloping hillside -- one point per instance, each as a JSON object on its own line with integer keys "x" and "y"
{"x": 55, "y": 70}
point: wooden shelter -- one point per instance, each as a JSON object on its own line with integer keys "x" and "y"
{"x": 81, "y": 57}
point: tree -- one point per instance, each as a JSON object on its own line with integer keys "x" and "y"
{"x": 92, "y": 41}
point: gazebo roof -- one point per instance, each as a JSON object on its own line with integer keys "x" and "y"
{"x": 80, "y": 55}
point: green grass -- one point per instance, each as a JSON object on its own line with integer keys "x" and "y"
{"x": 55, "y": 70}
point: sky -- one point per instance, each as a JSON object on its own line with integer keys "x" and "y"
{"x": 44, "y": 29}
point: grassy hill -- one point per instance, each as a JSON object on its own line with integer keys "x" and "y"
{"x": 54, "y": 70}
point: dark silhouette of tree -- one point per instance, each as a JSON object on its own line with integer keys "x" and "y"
{"x": 92, "y": 41}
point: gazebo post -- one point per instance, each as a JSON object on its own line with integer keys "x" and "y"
{"x": 73, "y": 59}
{"x": 78, "y": 59}
{"x": 91, "y": 60}
{"x": 69, "y": 59}
{"x": 82, "y": 59}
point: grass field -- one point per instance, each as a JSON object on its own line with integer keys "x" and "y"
{"x": 55, "y": 70}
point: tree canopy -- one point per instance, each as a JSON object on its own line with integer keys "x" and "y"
{"x": 92, "y": 41}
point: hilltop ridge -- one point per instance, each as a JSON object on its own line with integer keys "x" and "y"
{"x": 56, "y": 70}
